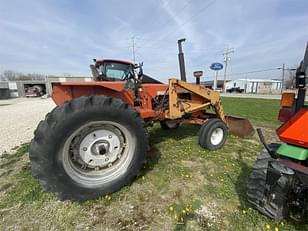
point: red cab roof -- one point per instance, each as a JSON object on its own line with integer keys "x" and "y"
{"x": 100, "y": 61}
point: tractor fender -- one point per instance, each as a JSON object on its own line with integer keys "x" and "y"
{"x": 63, "y": 92}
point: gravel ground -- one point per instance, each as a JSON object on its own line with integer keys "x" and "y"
{"x": 19, "y": 118}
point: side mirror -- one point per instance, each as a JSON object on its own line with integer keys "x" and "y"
{"x": 140, "y": 73}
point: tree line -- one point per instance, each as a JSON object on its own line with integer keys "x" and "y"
{"x": 9, "y": 75}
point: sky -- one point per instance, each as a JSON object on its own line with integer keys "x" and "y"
{"x": 61, "y": 37}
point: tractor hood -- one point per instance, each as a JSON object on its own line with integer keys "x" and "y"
{"x": 148, "y": 79}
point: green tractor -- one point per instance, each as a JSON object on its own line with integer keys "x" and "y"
{"x": 278, "y": 182}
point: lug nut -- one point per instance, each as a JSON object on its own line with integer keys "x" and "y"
{"x": 84, "y": 149}
{"x": 110, "y": 136}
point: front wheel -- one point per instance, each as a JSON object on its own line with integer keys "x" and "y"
{"x": 90, "y": 146}
{"x": 213, "y": 134}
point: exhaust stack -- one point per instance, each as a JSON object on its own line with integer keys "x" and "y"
{"x": 181, "y": 60}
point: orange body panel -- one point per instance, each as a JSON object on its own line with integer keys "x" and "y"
{"x": 67, "y": 91}
{"x": 295, "y": 130}
{"x": 287, "y": 99}
{"x": 153, "y": 89}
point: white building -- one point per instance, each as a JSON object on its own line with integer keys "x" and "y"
{"x": 260, "y": 86}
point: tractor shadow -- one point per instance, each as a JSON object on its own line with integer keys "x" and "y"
{"x": 158, "y": 135}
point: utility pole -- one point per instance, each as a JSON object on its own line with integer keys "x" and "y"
{"x": 227, "y": 58}
{"x": 284, "y": 69}
{"x": 133, "y": 49}
{"x": 215, "y": 80}
{"x": 282, "y": 81}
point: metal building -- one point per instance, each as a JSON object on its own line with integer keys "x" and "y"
{"x": 257, "y": 86}
{"x": 4, "y": 90}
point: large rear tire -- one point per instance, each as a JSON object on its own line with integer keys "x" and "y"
{"x": 90, "y": 146}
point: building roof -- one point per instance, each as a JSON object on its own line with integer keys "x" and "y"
{"x": 4, "y": 85}
{"x": 260, "y": 80}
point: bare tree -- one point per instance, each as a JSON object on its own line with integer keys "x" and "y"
{"x": 2, "y": 78}
{"x": 290, "y": 80}
{"x": 10, "y": 75}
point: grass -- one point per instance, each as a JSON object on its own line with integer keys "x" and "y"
{"x": 260, "y": 111}
{"x": 182, "y": 187}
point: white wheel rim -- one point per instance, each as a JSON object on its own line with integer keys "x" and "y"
{"x": 217, "y": 136}
{"x": 118, "y": 140}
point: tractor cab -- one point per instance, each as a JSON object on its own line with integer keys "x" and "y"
{"x": 113, "y": 70}
{"x": 119, "y": 70}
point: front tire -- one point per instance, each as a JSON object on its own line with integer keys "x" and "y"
{"x": 88, "y": 147}
{"x": 213, "y": 134}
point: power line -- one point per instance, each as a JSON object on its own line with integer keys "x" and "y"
{"x": 133, "y": 49}
{"x": 185, "y": 6}
{"x": 252, "y": 72}
{"x": 210, "y": 2}
{"x": 154, "y": 19}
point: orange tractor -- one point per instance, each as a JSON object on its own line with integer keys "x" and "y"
{"x": 95, "y": 141}
{"x": 278, "y": 183}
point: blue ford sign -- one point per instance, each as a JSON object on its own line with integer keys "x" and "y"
{"x": 216, "y": 66}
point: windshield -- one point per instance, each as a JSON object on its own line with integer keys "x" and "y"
{"x": 114, "y": 70}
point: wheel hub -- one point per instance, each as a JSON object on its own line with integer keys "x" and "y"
{"x": 98, "y": 152}
{"x": 217, "y": 136}
{"x": 101, "y": 148}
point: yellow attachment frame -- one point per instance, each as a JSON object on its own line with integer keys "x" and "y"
{"x": 201, "y": 98}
